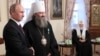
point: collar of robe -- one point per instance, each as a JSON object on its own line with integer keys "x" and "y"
{"x": 81, "y": 34}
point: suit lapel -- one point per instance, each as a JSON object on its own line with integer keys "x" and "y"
{"x": 18, "y": 29}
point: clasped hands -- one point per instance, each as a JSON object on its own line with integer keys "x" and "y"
{"x": 82, "y": 40}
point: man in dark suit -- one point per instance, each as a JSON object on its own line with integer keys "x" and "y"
{"x": 15, "y": 42}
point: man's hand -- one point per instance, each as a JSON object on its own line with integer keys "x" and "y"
{"x": 32, "y": 50}
{"x": 49, "y": 54}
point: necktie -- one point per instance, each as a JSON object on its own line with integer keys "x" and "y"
{"x": 21, "y": 28}
{"x": 81, "y": 31}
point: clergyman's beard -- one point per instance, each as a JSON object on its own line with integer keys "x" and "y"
{"x": 41, "y": 22}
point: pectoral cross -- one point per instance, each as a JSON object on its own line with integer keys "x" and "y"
{"x": 43, "y": 40}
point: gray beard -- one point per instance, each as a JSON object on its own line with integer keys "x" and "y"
{"x": 41, "y": 22}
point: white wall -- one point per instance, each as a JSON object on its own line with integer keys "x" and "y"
{"x": 57, "y": 25}
{"x": 4, "y": 19}
{"x": 58, "y": 29}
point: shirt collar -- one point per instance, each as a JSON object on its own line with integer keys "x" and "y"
{"x": 18, "y": 23}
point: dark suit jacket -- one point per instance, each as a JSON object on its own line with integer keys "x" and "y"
{"x": 15, "y": 41}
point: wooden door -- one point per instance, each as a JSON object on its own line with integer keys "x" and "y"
{"x": 94, "y": 26}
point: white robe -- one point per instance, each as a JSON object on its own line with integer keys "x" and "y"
{"x": 83, "y": 35}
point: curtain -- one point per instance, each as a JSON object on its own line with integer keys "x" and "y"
{"x": 18, "y": 1}
{"x": 47, "y": 8}
{"x": 69, "y": 10}
{"x": 87, "y": 5}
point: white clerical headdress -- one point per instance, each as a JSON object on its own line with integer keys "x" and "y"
{"x": 38, "y": 6}
{"x": 80, "y": 22}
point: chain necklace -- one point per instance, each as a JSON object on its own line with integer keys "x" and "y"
{"x": 43, "y": 40}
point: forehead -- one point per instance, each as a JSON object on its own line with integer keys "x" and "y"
{"x": 80, "y": 23}
{"x": 40, "y": 12}
{"x": 19, "y": 7}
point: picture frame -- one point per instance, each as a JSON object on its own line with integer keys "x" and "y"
{"x": 56, "y": 11}
{"x": 95, "y": 17}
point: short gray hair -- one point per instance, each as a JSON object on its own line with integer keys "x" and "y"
{"x": 12, "y": 7}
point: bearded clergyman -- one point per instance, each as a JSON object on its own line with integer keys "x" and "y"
{"x": 39, "y": 31}
{"x": 81, "y": 40}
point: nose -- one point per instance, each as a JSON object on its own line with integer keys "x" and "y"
{"x": 43, "y": 15}
{"x": 23, "y": 15}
